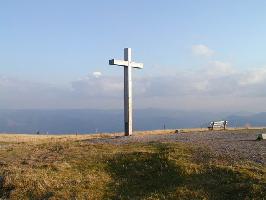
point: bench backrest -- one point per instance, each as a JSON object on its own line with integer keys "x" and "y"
{"x": 218, "y": 124}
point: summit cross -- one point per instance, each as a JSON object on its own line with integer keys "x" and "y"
{"x": 128, "y": 65}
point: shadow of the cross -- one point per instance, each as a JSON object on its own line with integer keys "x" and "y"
{"x": 137, "y": 175}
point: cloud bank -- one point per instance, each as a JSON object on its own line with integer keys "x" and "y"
{"x": 216, "y": 85}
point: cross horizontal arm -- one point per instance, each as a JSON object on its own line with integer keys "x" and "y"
{"x": 136, "y": 65}
{"x": 125, "y": 63}
{"x": 118, "y": 62}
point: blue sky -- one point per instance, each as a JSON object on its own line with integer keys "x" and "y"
{"x": 57, "y": 45}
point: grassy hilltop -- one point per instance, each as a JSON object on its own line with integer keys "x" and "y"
{"x": 73, "y": 167}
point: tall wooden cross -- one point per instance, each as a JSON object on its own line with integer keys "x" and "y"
{"x": 127, "y": 64}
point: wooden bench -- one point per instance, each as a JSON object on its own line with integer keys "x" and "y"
{"x": 219, "y": 124}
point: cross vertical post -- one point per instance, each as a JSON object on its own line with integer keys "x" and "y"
{"x": 128, "y": 93}
{"x": 128, "y": 65}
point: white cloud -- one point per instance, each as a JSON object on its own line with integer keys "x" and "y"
{"x": 16, "y": 93}
{"x": 108, "y": 86}
{"x": 256, "y": 76}
{"x": 218, "y": 68}
{"x": 97, "y": 74}
{"x": 202, "y": 50}
{"x": 201, "y": 85}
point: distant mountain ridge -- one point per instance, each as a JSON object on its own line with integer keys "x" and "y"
{"x": 92, "y": 120}
{"x": 258, "y": 119}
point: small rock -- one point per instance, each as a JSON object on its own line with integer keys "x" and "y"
{"x": 261, "y": 136}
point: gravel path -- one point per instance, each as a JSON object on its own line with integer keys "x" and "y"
{"x": 234, "y": 144}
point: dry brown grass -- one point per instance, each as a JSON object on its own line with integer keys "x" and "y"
{"x": 68, "y": 167}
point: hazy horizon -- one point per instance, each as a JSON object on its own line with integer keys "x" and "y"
{"x": 70, "y": 121}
